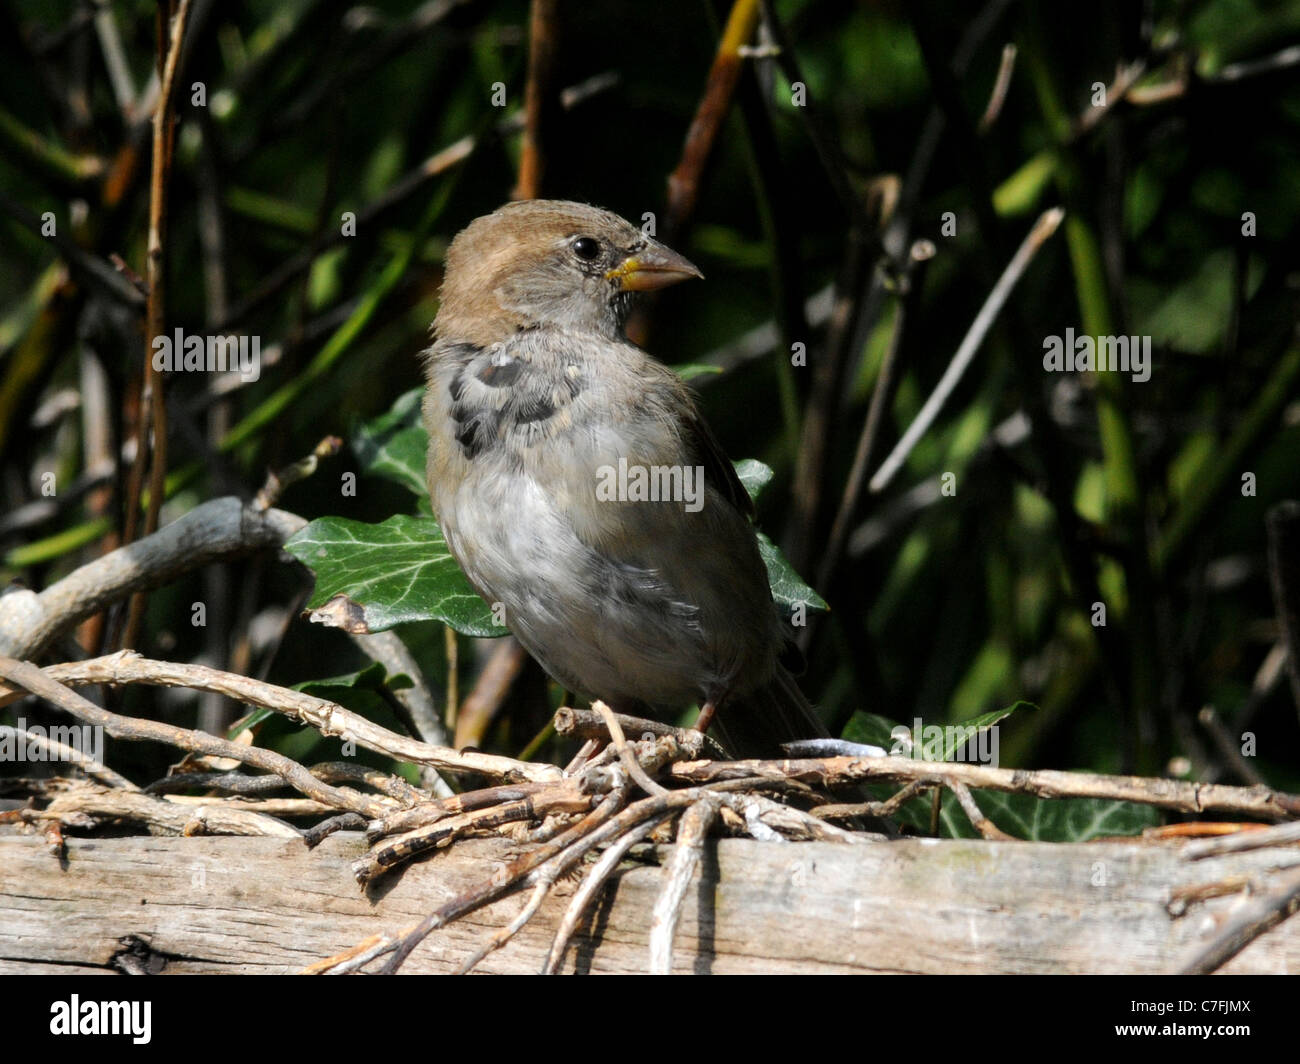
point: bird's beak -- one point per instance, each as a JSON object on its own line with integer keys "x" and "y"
{"x": 654, "y": 267}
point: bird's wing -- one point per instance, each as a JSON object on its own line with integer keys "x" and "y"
{"x": 718, "y": 468}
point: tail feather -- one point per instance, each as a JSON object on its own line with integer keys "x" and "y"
{"x": 757, "y": 723}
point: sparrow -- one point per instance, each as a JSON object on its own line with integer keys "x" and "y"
{"x": 579, "y": 488}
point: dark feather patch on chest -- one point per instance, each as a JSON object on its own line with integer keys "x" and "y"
{"x": 534, "y": 408}
{"x": 494, "y": 393}
{"x": 501, "y": 374}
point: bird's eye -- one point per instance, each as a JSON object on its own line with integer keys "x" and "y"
{"x": 586, "y": 248}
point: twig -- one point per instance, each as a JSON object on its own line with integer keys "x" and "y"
{"x": 596, "y": 877}
{"x": 29, "y": 677}
{"x": 1125, "y": 78}
{"x": 451, "y": 648}
{"x": 979, "y": 821}
{"x": 482, "y": 704}
{"x": 1262, "y": 802}
{"x": 625, "y": 753}
{"x": 1006, "y": 67}
{"x": 881, "y": 398}
{"x": 1228, "y": 747}
{"x": 152, "y": 383}
{"x": 719, "y": 88}
{"x": 691, "y": 833}
{"x": 589, "y": 724}
{"x": 561, "y": 798}
{"x": 216, "y": 817}
{"x": 1038, "y": 235}
{"x": 1181, "y": 899}
{"x": 63, "y": 752}
{"x": 399, "y": 192}
{"x": 431, "y": 812}
{"x": 84, "y": 265}
{"x": 119, "y": 72}
{"x": 888, "y": 807}
{"x": 327, "y": 717}
{"x": 219, "y": 529}
{"x": 1278, "y": 835}
{"x": 538, "y": 106}
{"x": 823, "y": 139}
{"x": 1283, "y": 525}
{"x": 505, "y": 934}
{"x": 590, "y": 829}
{"x": 318, "y": 833}
{"x": 1250, "y": 921}
{"x": 278, "y": 480}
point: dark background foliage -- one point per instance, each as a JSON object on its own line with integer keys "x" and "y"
{"x": 944, "y": 606}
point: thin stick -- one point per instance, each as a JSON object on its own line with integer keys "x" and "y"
{"x": 888, "y": 807}
{"x": 1006, "y": 67}
{"x": 588, "y": 724}
{"x": 329, "y": 718}
{"x": 1038, "y": 235}
{"x": 28, "y": 676}
{"x": 63, "y": 752}
{"x": 507, "y": 880}
{"x": 1278, "y": 835}
{"x": 719, "y": 88}
{"x": 625, "y": 753}
{"x": 538, "y": 107}
{"x": 1248, "y": 923}
{"x": 155, "y": 313}
{"x": 691, "y": 833}
{"x": 505, "y": 934}
{"x": 979, "y": 821}
{"x": 881, "y": 396}
{"x": 503, "y": 667}
{"x": 1262, "y": 802}
{"x": 452, "y": 646}
{"x": 393, "y": 852}
{"x": 596, "y": 878}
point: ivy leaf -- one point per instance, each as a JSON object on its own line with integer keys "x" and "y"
{"x": 372, "y": 577}
{"x": 394, "y": 444}
{"x": 754, "y": 476}
{"x": 374, "y": 677}
{"x": 788, "y": 589}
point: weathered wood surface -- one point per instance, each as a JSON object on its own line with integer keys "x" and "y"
{"x": 267, "y": 905}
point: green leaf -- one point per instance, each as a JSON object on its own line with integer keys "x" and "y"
{"x": 372, "y": 678}
{"x": 788, "y": 588}
{"x": 394, "y": 444}
{"x": 1023, "y": 815}
{"x": 958, "y": 735}
{"x": 372, "y": 577}
{"x": 871, "y": 729}
{"x": 690, "y": 370}
{"x": 754, "y": 475}
{"x": 1062, "y": 819}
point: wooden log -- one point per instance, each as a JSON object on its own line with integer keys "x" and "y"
{"x": 266, "y": 905}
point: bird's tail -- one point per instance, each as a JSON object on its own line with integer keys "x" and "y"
{"x": 756, "y": 724}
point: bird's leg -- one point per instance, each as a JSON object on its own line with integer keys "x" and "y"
{"x": 705, "y": 718}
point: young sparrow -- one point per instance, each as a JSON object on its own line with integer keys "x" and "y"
{"x": 543, "y": 419}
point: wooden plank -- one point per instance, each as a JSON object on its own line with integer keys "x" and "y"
{"x": 221, "y": 904}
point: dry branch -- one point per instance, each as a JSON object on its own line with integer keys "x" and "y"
{"x": 1262, "y": 802}
{"x": 329, "y": 718}
{"x": 213, "y": 531}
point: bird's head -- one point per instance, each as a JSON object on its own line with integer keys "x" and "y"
{"x": 549, "y": 262}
